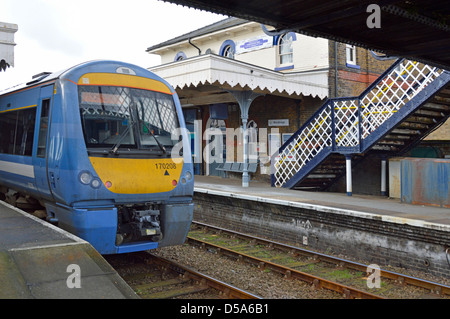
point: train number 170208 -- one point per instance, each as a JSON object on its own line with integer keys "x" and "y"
{"x": 166, "y": 166}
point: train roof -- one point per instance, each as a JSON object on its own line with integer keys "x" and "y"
{"x": 45, "y": 77}
{"x": 36, "y": 79}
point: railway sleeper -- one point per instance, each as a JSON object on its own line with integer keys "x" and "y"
{"x": 176, "y": 292}
{"x": 173, "y": 281}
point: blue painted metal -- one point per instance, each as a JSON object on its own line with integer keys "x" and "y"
{"x": 327, "y": 103}
{"x": 309, "y": 167}
{"x": 409, "y": 108}
{"x": 363, "y": 144}
{"x": 88, "y": 212}
{"x": 333, "y": 125}
{"x": 359, "y": 125}
{"x": 425, "y": 181}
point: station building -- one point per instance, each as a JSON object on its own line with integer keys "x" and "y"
{"x": 7, "y": 31}
{"x": 233, "y": 75}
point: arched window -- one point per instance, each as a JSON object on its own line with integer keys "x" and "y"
{"x": 180, "y": 56}
{"x": 228, "y": 49}
{"x": 228, "y": 52}
{"x": 285, "y": 49}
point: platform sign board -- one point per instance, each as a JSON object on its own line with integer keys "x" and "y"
{"x": 279, "y": 122}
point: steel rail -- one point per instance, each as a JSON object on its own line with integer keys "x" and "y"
{"x": 318, "y": 282}
{"x": 402, "y": 279}
{"x": 229, "y": 290}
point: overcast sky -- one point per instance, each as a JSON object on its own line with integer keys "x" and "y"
{"x": 57, "y": 34}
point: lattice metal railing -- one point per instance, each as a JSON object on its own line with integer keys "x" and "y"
{"x": 312, "y": 139}
{"x": 346, "y": 122}
{"x": 396, "y": 89}
{"x": 340, "y": 124}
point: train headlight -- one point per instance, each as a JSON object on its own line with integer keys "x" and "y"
{"x": 96, "y": 183}
{"x": 85, "y": 178}
{"x": 188, "y": 175}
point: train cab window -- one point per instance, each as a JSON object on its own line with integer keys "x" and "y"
{"x": 106, "y": 118}
{"x": 43, "y": 128}
{"x": 17, "y": 131}
{"x": 132, "y": 119}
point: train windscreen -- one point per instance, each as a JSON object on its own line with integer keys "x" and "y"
{"x": 127, "y": 118}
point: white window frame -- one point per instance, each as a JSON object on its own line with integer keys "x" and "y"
{"x": 350, "y": 54}
{"x": 228, "y": 52}
{"x": 285, "y": 42}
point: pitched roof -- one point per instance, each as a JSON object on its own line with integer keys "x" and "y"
{"x": 217, "y": 26}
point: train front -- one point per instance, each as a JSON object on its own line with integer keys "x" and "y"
{"x": 135, "y": 173}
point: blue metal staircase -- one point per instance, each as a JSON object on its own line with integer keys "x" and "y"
{"x": 406, "y": 103}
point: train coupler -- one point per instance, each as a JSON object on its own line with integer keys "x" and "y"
{"x": 148, "y": 223}
{"x": 138, "y": 224}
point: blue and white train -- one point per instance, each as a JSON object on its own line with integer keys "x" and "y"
{"x": 93, "y": 145}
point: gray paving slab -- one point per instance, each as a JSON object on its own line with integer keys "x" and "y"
{"x": 36, "y": 261}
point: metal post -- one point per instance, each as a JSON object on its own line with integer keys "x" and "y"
{"x": 245, "y": 177}
{"x": 383, "y": 177}
{"x": 348, "y": 168}
{"x": 245, "y": 99}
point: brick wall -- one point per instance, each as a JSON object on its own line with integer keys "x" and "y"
{"x": 263, "y": 109}
{"x": 369, "y": 239}
{"x": 353, "y": 81}
{"x": 441, "y": 134}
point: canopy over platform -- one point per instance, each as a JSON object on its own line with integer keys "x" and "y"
{"x": 415, "y": 29}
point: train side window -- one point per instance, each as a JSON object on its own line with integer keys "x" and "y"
{"x": 43, "y": 128}
{"x": 25, "y": 132}
{"x": 8, "y": 121}
{"x": 17, "y": 132}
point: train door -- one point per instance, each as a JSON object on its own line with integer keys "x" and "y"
{"x": 43, "y": 180}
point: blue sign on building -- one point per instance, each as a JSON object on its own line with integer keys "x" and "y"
{"x": 254, "y": 44}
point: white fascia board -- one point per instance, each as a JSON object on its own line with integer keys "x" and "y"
{"x": 212, "y": 68}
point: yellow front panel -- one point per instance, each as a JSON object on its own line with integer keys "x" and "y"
{"x": 133, "y": 81}
{"x": 138, "y": 176}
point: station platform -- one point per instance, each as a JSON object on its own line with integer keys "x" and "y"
{"x": 373, "y": 229}
{"x": 386, "y": 209}
{"x": 41, "y": 261}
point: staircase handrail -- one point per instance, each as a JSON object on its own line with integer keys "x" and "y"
{"x": 325, "y": 118}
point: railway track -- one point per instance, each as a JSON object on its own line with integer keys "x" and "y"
{"x": 348, "y": 278}
{"x": 154, "y": 277}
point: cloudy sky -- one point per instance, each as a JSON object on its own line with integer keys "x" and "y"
{"x": 57, "y": 34}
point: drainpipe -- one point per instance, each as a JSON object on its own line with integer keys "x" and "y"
{"x": 199, "y": 51}
{"x": 335, "y": 69}
{"x": 297, "y": 104}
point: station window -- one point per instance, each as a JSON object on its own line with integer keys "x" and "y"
{"x": 285, "y": 49}
{"x": 228, "y": 52}
{"x": 228, "y": 49}
{"x": 350, "y": 56}
{"x": 180, "y": 56}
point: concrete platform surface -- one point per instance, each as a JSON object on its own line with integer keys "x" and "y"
{"x": 375, "y": 207}
{"x": 41, "y": 261}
